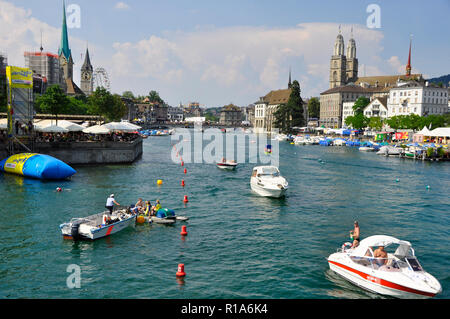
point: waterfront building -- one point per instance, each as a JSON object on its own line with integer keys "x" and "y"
{"x": 332, "y": 101}
{"x": 87, "y": 81}
{"x": 230, "y": 115}
{"x": 131, "y": 109}
{"x": 175, "y": 114}
{"x": 192, "y": 110}
{"x": 414, "y": 97}
{"x": 377, "y": 108}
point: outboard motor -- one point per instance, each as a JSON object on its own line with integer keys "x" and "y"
{"x": 74, "y": 230}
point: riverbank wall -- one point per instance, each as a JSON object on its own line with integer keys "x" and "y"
{"x": 89, "y": 153}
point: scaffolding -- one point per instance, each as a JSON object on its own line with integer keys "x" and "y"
{"x": 20, "y": 110}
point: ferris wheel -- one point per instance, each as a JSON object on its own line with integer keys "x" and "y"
{"x": 101, "y": 79}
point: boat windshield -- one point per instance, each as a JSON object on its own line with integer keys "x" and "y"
{"x": 269, "y": 172}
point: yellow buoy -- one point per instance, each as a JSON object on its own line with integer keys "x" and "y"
{"x": 159, "y": 182}
{"x": 140, "y": 219}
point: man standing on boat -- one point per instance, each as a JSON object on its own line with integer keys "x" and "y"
{"x": 110, "y": 203}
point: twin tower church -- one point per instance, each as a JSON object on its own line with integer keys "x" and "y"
{"x": 343, "y": 68}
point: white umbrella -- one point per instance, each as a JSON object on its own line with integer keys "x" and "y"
{"x": 97, "y": 129}
{"x": 133, "y": 126}
{"x": 72, "y": 127}
{"x": 3, "y": 124}
{"x": 119, "y": 126}
{"x": 52, "y": 129}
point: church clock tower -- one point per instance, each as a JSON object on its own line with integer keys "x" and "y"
{"x": 87, "y": 84}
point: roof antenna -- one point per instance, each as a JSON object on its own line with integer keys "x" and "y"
{"x": 42, "y": 49}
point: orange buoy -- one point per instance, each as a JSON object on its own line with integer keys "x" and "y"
{"x": 185, "y": 199}
{"x": 180, "y": 272}
{"x": 140, "y": 219}
{"x": 182, "y": 182}
{"x": 182, "y": 163}
{"x": 185, "y": 171}
{"x": 183, "y": 231}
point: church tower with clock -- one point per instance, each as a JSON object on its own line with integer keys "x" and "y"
{"x": 87, "y": 84}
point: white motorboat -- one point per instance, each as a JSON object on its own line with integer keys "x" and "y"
{"x": 388, "y": 150}
{"x": 98, "y": 225}
{"x": 366, "y": 149}
{"x": 165, "y": 216}
{"x": 266, "y": 181}
{"x": 227, "y": 165}
{"x": 399, "y": 275}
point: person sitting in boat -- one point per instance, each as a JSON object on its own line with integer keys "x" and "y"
{"x": 381, "y": 256}
{"x": 139, "y": 207}
{"x": 354, "y": 234}
{"x": 156, "y": 207}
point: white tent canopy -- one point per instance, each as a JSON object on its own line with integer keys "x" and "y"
{"x": 440, "y": 132}
{"x": 119, "y": 126}
{"x": 70, "y": 126}
{"x": 97, "y": 129}
{"x": 424, "y": 131}
{"x": 52, "y": 129}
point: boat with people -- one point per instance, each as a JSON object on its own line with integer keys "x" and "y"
{"x": 266, "y": 181}
{"x": 98, "y": 225}
{"x": 164, "y": 216}
{"x": 399, "y": 274}
{"x": 227, "y": 164}
{"x": 366, "y": 149}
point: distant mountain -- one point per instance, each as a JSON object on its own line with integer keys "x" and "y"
{"x": 445, "y": 79}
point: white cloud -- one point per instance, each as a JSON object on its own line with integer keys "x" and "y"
{"x": 211, "y": 65}
{"x": 121, "y": 6}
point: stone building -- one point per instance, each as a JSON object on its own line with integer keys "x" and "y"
{"x": 266, "y": 107}
{"x": 230, "y": 115}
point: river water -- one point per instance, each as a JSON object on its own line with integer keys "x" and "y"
{"x": 239, "y": 245}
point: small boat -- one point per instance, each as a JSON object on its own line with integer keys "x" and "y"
{"x": 165, "y": 216}
{"x": 366, "y": 149}
{"x": 266, "y": 181}
{"x": 227, "y": 165}
{"x": 98, "y": 225}
{"x": 399, "y": 275}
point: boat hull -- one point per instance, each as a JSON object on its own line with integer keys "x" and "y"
{"x": 266, "y": 192}
{"x": 374, "y": 283}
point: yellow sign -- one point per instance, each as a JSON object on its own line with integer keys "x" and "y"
{"x": 19, "y": 77}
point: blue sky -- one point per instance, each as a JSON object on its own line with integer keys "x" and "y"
{"x": 217, "y": 52}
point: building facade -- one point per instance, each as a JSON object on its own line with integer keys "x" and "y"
{"x": 343, "y": 68}
{"x": 230, "y": 115}
{"x": 45, "y": 64}
{"x": 175, "y": 114}
{"x": 421, "y": 98}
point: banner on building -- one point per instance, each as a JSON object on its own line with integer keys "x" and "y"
{"x": 401, "y": 135}
{"x": 19, "y": 77}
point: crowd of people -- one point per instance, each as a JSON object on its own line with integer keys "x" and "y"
{"x": 71, "y": 137}
{"x": 141, "y": 207}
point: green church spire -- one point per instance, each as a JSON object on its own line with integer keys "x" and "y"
{"x": 64, "y": 47}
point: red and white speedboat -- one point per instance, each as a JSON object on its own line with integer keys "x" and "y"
{"x": 228, "y": 165}
{"x": 399, "y": 275}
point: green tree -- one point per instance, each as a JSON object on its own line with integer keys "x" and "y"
{"x": 314, "y": 107}
{"x": 154, "y": 97}
{"x": 290, "y": 114}
{"x": 360, "y": 104}
{"x": 128, "y": 95}
{"x": 53, "y": 101}
{"x": 375, "y": 123}
{"x": 358, "y": 121}
{"x": 103, "y": 103}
